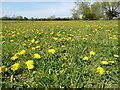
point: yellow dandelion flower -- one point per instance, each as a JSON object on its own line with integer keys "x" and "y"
{"x": 111, "y": 62}
{"x": 52, "y": 33}
{"x": 22, "y": 52}
{"x": 84, "y": 38}
{"x": 100, "y": 70}
{"x": 51, "y": 51}
{"x": 33, "y": 48}
{"x": 90, "y": 34}
{"x": 3, "y": 69}
{"x": 30, "y": 66}
{"x": 92, "y": 53}
{"x": 63, "y": 46}
{"x": 85, "y": 58}
{"x": 55, "y": 38}
{"x": 29, "y": 62}
{"x": 65, "y": 58}
{"x": 15, "y": 66}
{"x": 37, "y": 56}
{"x": 13, "y": 35}
{"x": 14, "y": 57}
{"x": 115, "y": 55}
{"x": 37, "y": 47}
{"x": 24, "y": 44}
{"x": 114, "y": 36}
{"x": 33, "y": 40}
{"x": 104, "y": 62}
{"x": 11, "y": 41}
{"x": 36, "y": 42}
{"x": 58, "y": 34}
{"x": 50, "y": 47}
{"x": 3, "y": 42}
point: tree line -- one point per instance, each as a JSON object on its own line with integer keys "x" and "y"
{"x": 51, "y": 18}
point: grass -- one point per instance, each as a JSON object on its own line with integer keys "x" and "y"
{"x": 70, "y": 41}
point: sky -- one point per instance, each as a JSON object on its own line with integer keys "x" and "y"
{"x": 37, "y": 8}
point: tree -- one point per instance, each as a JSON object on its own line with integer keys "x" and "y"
{"x": 32, "y": 18}
{"x": 85, "y": 9}
{"x": 52, "y": 17}
{"x": 96, "y": 10}
{"x": 19, "y": 17}
{"x": 5, "y": 18}
{"x": 75, "y": 14}
{"x": 81, "y": 8}
{"x": 25, "y": 18}
{"x": 110, "y": 8}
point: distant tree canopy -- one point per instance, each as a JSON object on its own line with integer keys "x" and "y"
{"x": 53, "y": 17}
{"x": 96, "y": 10}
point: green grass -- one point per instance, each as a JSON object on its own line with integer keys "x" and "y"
{"x": 65, "y": 68}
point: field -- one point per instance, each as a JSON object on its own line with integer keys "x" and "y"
{"x": 59, "y": 54}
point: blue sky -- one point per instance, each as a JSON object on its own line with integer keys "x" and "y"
{"x": 37, "y": 8}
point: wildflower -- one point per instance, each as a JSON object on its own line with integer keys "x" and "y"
{"x": 37, "y": 56}
{"x": 100, "y": 70}
{"x": 36, "y": 42}
{"x": 13, "y": 35}
{"x": 69, "y": 38}
{"x": 52, "y": 33}
{"x": 85, "y": 58}
{"x": 29, "y": 62}
{"x": 39, "y": 33}
{"x": 115, "y": 55}
{"x": 84, "y": 38}
{"x": 11, "y": 41}
{"x": 90, "y": 34}
{"x": 55, "y": 38}
{"x": 33, "y": 48}
{"x": 114, "y": 36}
{"x": 104, "y": 62}
{"x": 92, "y": 53}
{"x": 111, "y": 62}
{"x": 22, "y": 52}
{"x": 24, "y": 44}
{"x": 15, "y": 66}
{"x": 30, "y": 66}
{"x": 63, "y": 46}
{"x": 2, "y": 36}
{"x": 65, "y": 58}
{"x": 51, "y": 51}
{"x": 37, "y": 47}
{"x": 50, "y": 47}
{"x": 110, "y": 38}
{"x": 58, "y": 34}
{"x": 3, "y": 42}
{"x": 3, "y": 69}
{"x": 14, "y": 57}
{"x": 33, "y": 40}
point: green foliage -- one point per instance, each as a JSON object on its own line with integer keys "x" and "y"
{"x": 97, "y": 9}
{"x": 90, "y": 16}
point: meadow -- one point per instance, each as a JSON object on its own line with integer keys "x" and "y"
{"x": 59, "y": 54}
